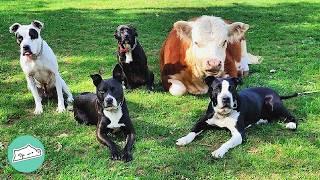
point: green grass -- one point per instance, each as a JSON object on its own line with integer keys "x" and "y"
{"x": 286, "y": 33}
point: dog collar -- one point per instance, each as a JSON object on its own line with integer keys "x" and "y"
{"x": 35, "y": 56}
{"x": 125, "y": 50}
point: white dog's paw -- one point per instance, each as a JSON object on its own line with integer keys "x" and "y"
{"x": 38, "y": 110}
{"x": 291, "y": 125}
{"x": 60, "y": 109}
{"x": 186, "y": 139}
{"x": 219, "y": 153}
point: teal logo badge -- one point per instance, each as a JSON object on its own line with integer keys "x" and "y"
{"x": 26, "y": 154}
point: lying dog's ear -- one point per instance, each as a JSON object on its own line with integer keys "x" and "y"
{"x": 118, "y": 73}
{"x": 14, "y": 27}
{"x": 96, "y": 78}
{"x": 237, "y": 81}
{"x": 208, "y": 80}
{"x": 38, "y": 24}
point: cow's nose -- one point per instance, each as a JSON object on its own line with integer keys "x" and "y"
{"x": 213, "y": 63}
{"x": 26, "y": 47}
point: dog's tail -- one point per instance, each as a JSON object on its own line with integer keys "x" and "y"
{"x": 298, "y": 94}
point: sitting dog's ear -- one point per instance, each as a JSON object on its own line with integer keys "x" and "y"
{"x": 116, "y": 35}
{"x": 38, "y": 24}
{"x": 118, "y": 73}
{"x": 209, "y": 80}
{"x": 14, "y": 27}
{"x": 96, "y": 78}
{"x": 237, "y": 81}
{"x": 134, "y": 30}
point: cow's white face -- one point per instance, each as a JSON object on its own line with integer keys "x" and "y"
{"x": 209, "y": 37}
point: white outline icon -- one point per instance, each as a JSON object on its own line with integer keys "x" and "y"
{"x": 25, "y": 153}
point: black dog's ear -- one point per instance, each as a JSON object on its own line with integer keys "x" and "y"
{"x": 209, "y": 80}
{"x": 38, "y": 24}
{"x": 96, "y": 78}
{"x": 118, "y": 73}
{"x": 14, "y": 27}
{"x": 134, "y": 30}
{"x": 237, "y": 81}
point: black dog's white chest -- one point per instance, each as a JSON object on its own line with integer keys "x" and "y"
{"x": 114, "y": 117}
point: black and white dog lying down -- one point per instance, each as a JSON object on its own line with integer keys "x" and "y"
{"x": 132, "y": 58}
{"x": 236, "y": 111}
{"x": 108, "y": 110}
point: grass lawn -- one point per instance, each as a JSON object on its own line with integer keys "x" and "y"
{"x": 286, "y": 33}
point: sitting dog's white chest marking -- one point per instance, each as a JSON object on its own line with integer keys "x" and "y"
{"x": 228, "y": 122}
{"x": 129, "y": 58}
{"x": 114, "y": 117}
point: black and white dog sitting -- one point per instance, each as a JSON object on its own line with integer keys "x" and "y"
{"x": 108, "y": 110}
{"x": 40, "y": 66}
{"x": 234, "y": 111}
{"x": 132, "y": 58}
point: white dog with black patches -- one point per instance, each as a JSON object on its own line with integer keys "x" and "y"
{"x": 236, "y": 112}
{"x": 39, "y": 65}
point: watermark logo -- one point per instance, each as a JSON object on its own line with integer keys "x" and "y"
{"x": 26, "y": 154}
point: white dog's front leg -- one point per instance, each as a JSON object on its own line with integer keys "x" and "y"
{"x": 35, "y": 94}
{"x": 58, "y": 85}
{"x": 235, "y": 140}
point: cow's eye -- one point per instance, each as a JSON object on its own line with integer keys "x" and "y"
{"x": 224, "y": 43}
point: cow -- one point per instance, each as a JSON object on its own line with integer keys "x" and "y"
{"x": 201, "y": 47}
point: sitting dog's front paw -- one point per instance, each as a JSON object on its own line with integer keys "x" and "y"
{"x": 219, "y": 153}
{"x": 38, "y": 110}
{"x": 60, "y": 109}
{"x": 115, "y": 155}
{"x": 126, "y": 157}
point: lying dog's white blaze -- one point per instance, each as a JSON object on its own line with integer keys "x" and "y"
{"x": 224, "y": 93}
{"x": 187, "y": 139}
{"x": 114, "y": 113}
{"x": 291, "y": 125}
{"x": 230, "y": 123}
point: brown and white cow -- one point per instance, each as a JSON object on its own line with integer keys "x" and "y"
{"x": 201, "y": 47}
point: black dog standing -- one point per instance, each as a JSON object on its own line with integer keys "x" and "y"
{"x": 132, "y": 59}
{"x": 108, "y": 110}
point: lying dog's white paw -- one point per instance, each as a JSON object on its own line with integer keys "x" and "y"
{"x": 262, "y": 121}
{"x": 70, "y": 99}
{"x": 219, "y": 153}
{"x": 38, "y": 110}
{"x": 186, "y": 139}
{"x": 291, "y": 125}
{"x": 60, "y": 109}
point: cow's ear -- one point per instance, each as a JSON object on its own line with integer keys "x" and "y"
{"x": 183, "y": 29}
{"x": 14, "y": 27}
{"x": 38, "y": 24}
{"x": 236, "y": 31}
{"x": 96, "y": 78}
{"x": 209, "y": 80}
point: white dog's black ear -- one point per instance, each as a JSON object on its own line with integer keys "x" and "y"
{"x": 14, "y": 27}
{"x": 208, "y": 80}
{"x": 118, "y": 73}
{"x": 96, "y": 78}
{"x": 38, "y": 24}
